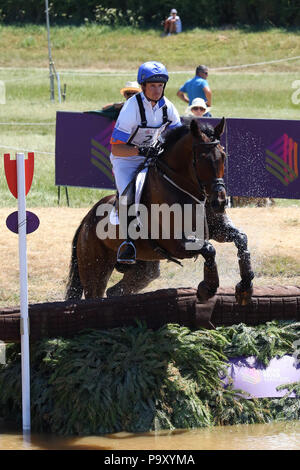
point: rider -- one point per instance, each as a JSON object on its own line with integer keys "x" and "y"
{"x": 142, "y": 120}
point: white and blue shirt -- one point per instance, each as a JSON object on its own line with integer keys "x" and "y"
{"x": 130, "y": 117}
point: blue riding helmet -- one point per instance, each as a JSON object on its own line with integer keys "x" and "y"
{"x": 152, "y": 72}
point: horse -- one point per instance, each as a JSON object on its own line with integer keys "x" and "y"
{"x": 188, "y": 170}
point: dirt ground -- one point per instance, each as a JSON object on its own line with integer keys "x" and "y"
{"x": 273, "y": 234}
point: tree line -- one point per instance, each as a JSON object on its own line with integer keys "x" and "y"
{"x": 203, "y": 13}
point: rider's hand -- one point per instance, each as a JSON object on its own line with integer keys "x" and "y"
{"x": 149, "y": 152}
{"x": 144, "y": 151}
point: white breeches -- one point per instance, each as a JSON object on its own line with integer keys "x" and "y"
{"x": 124, "y": 169}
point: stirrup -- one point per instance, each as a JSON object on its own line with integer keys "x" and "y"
{"x": 125, "y": 260}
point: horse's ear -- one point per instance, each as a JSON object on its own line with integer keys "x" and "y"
{"x": 194, "y": 128}
{"x": 219, "y": 129}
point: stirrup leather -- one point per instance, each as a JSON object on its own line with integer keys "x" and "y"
{"x": 132, "y": 260}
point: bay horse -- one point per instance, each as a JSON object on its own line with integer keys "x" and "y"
{"x": 189, "y": 170}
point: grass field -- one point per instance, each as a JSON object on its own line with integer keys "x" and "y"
{"x": 105, "y": 48}
{"x": 81, "y": 55}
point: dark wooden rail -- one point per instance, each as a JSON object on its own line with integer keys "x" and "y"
{"x": 155, "y": 308}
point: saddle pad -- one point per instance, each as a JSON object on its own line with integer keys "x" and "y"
{"x": 139, "y": 184}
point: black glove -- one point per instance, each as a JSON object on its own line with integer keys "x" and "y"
{"x": 143, "y": 151}
{"x": 148, "y": 152}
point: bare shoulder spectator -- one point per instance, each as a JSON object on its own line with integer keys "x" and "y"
{"x": 172, "y": 24}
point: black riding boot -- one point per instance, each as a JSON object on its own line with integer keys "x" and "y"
{"x": 127, "y": 252}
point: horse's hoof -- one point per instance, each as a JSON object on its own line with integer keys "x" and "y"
{"x": 204, "y": 293}
{"x": 242, "y": 295}
{"x": 114, "y": 292}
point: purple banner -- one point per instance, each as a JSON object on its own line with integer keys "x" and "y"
{"x": 263, "y": 158}
{"x": 82, "y": 150}
{"x": 252, "y": 377}
{"x": 263, "y": 155}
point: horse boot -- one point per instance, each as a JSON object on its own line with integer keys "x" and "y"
{"x": 128, "y": 254}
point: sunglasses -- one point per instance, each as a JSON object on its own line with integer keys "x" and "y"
{"x": 197, "y": 108}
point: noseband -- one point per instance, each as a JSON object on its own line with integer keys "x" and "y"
{"x": 217, "y": 184}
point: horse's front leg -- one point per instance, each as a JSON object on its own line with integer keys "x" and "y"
{"x": 208, "y": 287}
{"x": 244, "y": 289}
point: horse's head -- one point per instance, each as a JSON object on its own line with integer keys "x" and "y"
{"x": 208, "y": 162}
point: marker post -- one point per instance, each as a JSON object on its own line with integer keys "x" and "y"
{"x": 19, "y": 175}
{"x": 25, "y": 356}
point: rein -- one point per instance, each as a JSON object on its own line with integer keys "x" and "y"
{"x": 153, "y": 159}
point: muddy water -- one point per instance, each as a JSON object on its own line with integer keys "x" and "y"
{"x": 281, "y": 436}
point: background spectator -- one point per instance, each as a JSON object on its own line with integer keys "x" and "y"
{"x": 112, "y": 110}
{"x": 130, "y": 89}
{"x": 196, "y": 87}
{"x": 173, "y": 23}
{"x": 198, "y": 108}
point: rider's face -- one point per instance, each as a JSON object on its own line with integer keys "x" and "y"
{"x": 154, "y": 90}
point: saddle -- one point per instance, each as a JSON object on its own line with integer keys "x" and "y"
{"x": 133, "y": 191}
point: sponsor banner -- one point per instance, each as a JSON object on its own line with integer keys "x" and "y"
{"x": 250, "y": 375}
{"x": 263, "y": 158}
{"x": 82, "y": 150}
{"x": 263, "y": 154}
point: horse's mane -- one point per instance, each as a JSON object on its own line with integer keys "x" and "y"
{"x": 173, "y": 135}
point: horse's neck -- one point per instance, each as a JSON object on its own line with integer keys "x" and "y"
{"x": 179, "y": 159}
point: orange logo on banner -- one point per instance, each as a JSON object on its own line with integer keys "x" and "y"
{"x": 10, "y": 167}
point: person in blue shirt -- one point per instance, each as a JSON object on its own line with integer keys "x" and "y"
{"x": 196, "y": 87}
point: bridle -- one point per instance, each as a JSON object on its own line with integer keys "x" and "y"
{"x": 216, "y": 184}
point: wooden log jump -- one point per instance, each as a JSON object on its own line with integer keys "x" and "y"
{"x": 66, "y": 319}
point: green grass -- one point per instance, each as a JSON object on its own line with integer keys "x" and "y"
{"x": 254, "y": 93}
{"x": 275, "y": 266}
{"x": 103, "y": 47}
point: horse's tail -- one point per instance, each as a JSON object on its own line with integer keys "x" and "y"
{"x": 74, "y": 287}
